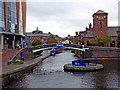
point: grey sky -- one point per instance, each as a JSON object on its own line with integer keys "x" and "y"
{"x": 67, "y": 17}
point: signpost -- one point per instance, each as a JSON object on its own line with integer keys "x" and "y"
{"x": 60, "y": 45}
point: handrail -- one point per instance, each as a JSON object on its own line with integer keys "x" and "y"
{"x": 17, "y": 54}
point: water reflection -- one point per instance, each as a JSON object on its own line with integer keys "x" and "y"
{"x": 50, "y": 74}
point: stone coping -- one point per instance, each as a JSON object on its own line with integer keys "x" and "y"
{"x": 83, "y": 68}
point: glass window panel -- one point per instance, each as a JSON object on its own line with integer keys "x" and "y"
{"x": 13, "y": 28}
{"x": 0, "y": 17}
{"x": 12, "y": 20}
{"x": 0, "y": 28}
{"x": 1, "y": 4}
{"x": 1, "y": 23}
{"x": 0, "y": 10}
{"x": 16, "y": 30}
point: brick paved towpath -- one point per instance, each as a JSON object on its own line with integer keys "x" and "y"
{"x": 6, "y": 54}
{"x": 11, "y": 68}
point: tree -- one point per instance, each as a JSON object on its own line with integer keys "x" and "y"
{"x": 92, "y": 41}
{"x": 51, "y": 39}
{"x": 101, "y": 39}
{"x": 38, "y": 42}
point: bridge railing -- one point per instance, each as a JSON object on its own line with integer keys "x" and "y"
{"x": 54, "y": 45}
{"x": 43, "y": 46}
{"x": 73, "y": 45}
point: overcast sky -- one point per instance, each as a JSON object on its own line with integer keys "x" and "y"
{"x": 63, "y": 17}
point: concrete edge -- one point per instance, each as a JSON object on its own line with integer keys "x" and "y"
{"x": 69, "y": 67}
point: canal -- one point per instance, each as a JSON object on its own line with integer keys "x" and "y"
{"x": 50, "y": 74}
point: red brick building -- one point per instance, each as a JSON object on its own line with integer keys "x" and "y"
{"x": 39, "y": 35}
{"x": 100, "y": 28}
{"x": 36, "y": 35}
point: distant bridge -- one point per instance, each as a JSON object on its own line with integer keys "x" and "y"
{"x": 65, "y": 46}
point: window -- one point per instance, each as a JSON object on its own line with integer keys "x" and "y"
{"x": 118, "y": 37}
{"x": 112, "y": 44}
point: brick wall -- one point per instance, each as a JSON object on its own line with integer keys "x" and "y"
{"x": 100, "y": 26}
{"x": 105, "y": 52}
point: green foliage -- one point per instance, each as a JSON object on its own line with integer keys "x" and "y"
{"x": 92, "y": 41}
{"x": 107, "y": 40}
{"x": 73, "y": 51}
{"x": 101, "y": 39}
{"x": 17, "y": 62}
{"x": 37, "y": 42}
{"x": 37, "y": 54}
{"x": 51, "y": 39}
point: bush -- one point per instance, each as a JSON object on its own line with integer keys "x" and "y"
{"x": 73, "y": 51}
{"x": 21, "y": 62}
{"x": 17, "y": 62}
{"x": 35, "y": 56}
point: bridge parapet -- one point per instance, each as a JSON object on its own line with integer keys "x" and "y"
{"x": 73, "y": 45}
{"x": 54, "y": 45}
{"x": 67, "y": 46}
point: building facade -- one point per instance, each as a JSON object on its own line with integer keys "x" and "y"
{"x": 36, "y": 35}
{"x": 100, "y": 28}
{"x": 12, "y": 23}
{"x": 39, "y": 35}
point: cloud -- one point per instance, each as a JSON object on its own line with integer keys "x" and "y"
{"x": 63, "y": 18}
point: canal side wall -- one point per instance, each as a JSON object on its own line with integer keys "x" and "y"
{"x": 17, "y": 73}
{"x": 99, "y": 52}
{"x": 105, "y": 52}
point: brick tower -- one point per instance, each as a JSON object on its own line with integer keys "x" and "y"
{"x": 100, "y": 23}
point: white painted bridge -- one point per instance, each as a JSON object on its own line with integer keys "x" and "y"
{"x": 83, "y": 49}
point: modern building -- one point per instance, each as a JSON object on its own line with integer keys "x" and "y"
{"x": 12, "y": 23}
{"x": 100, "y": 28}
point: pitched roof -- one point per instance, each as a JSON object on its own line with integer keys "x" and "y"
{"x": 89, "y": 34}
{"x": 112, "y": 31}
{"x": 100, "y": 12}
{"x": 31, "y": 34}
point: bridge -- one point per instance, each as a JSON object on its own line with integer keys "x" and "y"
{"x": 65, "y": 46}
{"x": 29, "y": 51}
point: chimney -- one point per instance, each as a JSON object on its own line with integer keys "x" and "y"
{"x": 37, "y": 28}
{"x": 90, "y": 26}
{"x": 76, "y": 33}
{"x": 86, "y": 29}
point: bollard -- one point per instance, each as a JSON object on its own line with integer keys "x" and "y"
{"x": 22, "y": 58}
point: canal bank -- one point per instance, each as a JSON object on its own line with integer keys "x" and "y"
{"x": 15, "y": 72}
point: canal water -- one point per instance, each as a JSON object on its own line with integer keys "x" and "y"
{"x": 50, "y": 74}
